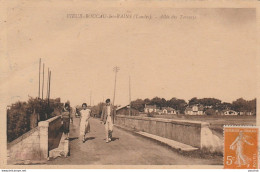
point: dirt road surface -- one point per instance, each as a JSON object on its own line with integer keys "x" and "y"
{"x": 125, "y": 149}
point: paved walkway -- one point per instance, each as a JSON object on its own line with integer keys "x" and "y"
{"x": 125, "y": 149}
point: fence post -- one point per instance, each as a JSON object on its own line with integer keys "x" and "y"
{"x": 43, "y": 127}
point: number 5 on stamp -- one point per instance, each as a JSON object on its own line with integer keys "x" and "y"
{"x": 240, "y": 147}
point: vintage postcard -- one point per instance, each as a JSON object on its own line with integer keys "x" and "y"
{"x": 120, "y": 84}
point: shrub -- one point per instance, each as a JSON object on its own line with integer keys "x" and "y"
{"x": 210, "y": 112}
{"x": 20, "y": 114}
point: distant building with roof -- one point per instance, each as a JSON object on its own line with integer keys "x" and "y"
{"x": 194, "y": 110}
{"x": 168, "y": 110}
{"x": 230, "y": 112}
{"x": 150, "y": 108}
{"x": 124, "y": 110}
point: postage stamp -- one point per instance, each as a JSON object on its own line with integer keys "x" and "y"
{"x": 241, "y": 147}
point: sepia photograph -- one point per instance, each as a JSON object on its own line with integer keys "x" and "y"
{"x": 127, "y": 84}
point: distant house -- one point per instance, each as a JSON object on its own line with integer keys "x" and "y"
{"x": 168, "y": 110}
{"x": 194, "y": 110}
{"x": 245, "y": 113}
{"x": 150, "y": 108}
{"x": 124, "y": 110}
{"x": 230, "y": 112}
{"x": 159, "y": 111}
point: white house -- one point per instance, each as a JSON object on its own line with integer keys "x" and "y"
{"x": 168, "y": 110}
{"x": 150, "y": 108}
{"x": 194, "y": 110}
{"x": 230, "y": 112}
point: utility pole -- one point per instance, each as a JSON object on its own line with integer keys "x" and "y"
{"x": 48, "y": 84}
{"x": 115, "y": 69}
{"x": 129, "y": 96}
{"x": 39, "y": 79}
{"x": 42, "y": 80}
{"x": 49, "y": 88}
{"x": 90, "y": 99}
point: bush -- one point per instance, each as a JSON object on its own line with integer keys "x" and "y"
{"x": 151, "y": 114}
{"x": 20, "y": 114}
{"x": 210, "y": 112}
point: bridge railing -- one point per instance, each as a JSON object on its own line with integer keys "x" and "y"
{"x": 184, "y": 131}
{"x": 36, "y": 143}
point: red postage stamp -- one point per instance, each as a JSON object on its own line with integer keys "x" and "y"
{"x": 240, "y": 147}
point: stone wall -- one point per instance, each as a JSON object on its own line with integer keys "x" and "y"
{"x": 26, "y": 147}
{"x": 184, "y": 131}
{"x": 36, "y": 144}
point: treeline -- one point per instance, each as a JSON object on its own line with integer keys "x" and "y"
{"x": 97, "y": 109}
{"x": 239, "y": 105}
{"x": 20, "y": 115}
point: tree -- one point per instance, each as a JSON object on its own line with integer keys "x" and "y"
{"x": 239, "y": 105}
{"x": 177, "y": 104}
{"x": 210, "y": 102}
{"x": 138, "y": 104}
{"x": 156, "y": 101}
{"x": 252, "y": 106}
{"x": 163, "y": 102}
{"x": 224, "y": 106}
{"x": 147, "y": 101}
{"x": 193, "y": 101}
{"x": 20, "y": 113}
{"x": 242, "y": 105}
{"x": 210, "y": 112}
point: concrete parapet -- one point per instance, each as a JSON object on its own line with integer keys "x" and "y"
{"x": 184, "y": 131}
{"x": 37, "y": 143}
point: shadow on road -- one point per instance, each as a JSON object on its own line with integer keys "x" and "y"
{"x": 114, "y": 139}
{"x": 89, "y": 138}
{"x": 73, "y": 138}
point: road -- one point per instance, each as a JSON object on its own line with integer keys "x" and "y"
{"x": 125, "y": 149}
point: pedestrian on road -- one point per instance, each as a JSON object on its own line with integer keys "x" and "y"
{"x": 65, "y": 116}
{"x": 84, "y": 122}
{"x": 106, "y": 118}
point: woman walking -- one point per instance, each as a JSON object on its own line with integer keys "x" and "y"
{"x": 84, "y": 122}
{"x": 66, "y": 120}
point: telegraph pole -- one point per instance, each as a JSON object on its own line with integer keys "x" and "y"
{"x": 39, "y": 78}
{"x": 90, "y": 99}
{"x": 42, "y": 80}
{"x": 48, "y": 84}
{"x": 115, "y": 69}
{"x": 129, "y": 96}
{"x": 49, "y": 88}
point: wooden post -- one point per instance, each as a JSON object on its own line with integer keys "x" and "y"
{"x": 42, "y": 80}
{"x": 90, "y": 99}
{"x": 129, "y": 96}
{"x": 49, "y": 88}
{"x": 116, "y": 69}
{"x": 47, "y": 94}
{"x": 39, "y": 78}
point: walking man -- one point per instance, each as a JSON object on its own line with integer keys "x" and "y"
{"x": 106, "y": 118}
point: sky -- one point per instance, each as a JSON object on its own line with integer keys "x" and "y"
{"x": 213, "y": 55}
